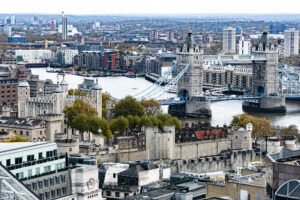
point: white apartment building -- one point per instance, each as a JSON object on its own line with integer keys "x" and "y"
{"x": 229, "y": 39}
{"x": 28, "y": 159}
{"x": 65, "y": 56}
{"x": 291, "y": 42}
{"x": 34, "y": 56}
{"x": 244, "y": 46}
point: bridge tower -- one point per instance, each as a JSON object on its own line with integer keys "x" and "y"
{"x": 265, "y": 78}
{"x": 190, "y": 86}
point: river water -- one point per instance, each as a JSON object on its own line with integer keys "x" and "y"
{"x": 222, "y": 112}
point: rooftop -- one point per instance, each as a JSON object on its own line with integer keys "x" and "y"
{"x": 12, "y": 146}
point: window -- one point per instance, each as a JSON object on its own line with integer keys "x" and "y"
{"x": 40, "y": 183}
{"x": 29, "y": 172}
{"x": 34, "y": 186}
{"x": 57, "y": 180}
{"x": 259, "y": 196}
{"x": 40, "y": 155}
{"x": 63, "y": 178}
{"x": 108, "y": 193}
{"x": 117, "y": 194}
{"x": 46, "y": 182}
{"x": 27, "y": 133}
{"x": 47, "y": 168}
{"x": 18, "y": 160}
{"x": 51, "y": 181}
{"x": 7, "y": 162}
{"x": 126, "y": 194}
{"x": 41, "y": 195}
{"x": 37, "y": 171}
{"x": 30, "y": 158}
{"x": 58, "y": 192}
{"x": 53, "y": 194}
{"x": 114, "y": 175}
{"x": 47, "y": 195}
{"x": 64, "y": 190}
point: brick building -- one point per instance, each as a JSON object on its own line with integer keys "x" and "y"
{"x": 9, "y": 92}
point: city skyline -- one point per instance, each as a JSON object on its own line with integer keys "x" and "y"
{"x": 154, "y": 7}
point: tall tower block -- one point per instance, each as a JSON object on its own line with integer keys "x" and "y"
{"x": 190, "y": 86}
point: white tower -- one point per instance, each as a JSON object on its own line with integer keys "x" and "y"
{"x": 23, "y": 96}
{"x": 97, "y": 97}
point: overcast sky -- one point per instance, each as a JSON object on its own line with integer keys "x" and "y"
{"x": 149, "y": 6}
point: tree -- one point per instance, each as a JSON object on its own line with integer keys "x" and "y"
{"x": 129, "y": 106}
{"x": 119, "y": 124}
{"x": 79, "y": 107}
{"x": 290, "y": 130}
{"x": 163, "y": 117}
{"x": 97, "y": 124}
{"x": 81, "y": 123}
{"x": 145, "y": 121}
{"x": 71, "y": 92}
{"x": 16, "y": 139}
{"x": 174, "y": 122}
{"x": 151, "y": 106}
{"x": 134, "y": 121}
{"x": 261, "y": 126}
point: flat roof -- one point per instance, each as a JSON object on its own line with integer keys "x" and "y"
{"x": 12, "y": 146}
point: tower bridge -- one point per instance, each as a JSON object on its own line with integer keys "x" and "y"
{"x": 267, "y": 86}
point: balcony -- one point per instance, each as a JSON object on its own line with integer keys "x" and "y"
{"x": 36, "y": 162}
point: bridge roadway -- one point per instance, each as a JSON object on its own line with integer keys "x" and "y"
{"x": 173, "y": 101}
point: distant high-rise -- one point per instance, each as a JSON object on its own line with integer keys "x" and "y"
{"x": 276, "y": 28}
{"x": 13, "y": 19}
{"x": 229, "y": 39}
{"x": 244, "y": 46}
{"x": 171, "y": 36}
{"x": 53, "y": 25}
{"x": 291, "y": 42}
{"x": 154, "y": 35}
{"x": 64, "y": 27}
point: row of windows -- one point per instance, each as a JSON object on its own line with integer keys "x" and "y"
{"x": 51, "y": 181}
{"x": 7, "y": 86}
{"x": 53, "y": 194}
{"x": 8, "y": 91}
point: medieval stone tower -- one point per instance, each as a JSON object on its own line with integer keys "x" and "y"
{"x": 190, "y": 86}
{"x": 97, "y": 97}
{"x": 265, "y": 67}
{"x": 23, "y": 96}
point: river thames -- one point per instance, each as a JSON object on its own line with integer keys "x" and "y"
{"x": 222, "y": 112}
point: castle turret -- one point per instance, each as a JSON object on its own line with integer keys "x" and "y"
{"x": 58, "y": 103}
{"x": 23, "y": 96}
{"x": 97, "y": 97}
{"x": 64, "y": 86}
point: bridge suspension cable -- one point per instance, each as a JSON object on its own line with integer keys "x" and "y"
{"x": 292, "y": 81}
{"x": 173, "y": 82}
{"x": 158, "y": 83}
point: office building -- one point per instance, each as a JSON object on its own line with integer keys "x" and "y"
{"x": 229, "y": 39}
{"x": 64, "y": 27}
{"x": 4, "y": 29}
{"x": 276, "y": 28}
{"x": 53, "y": 25}
{"x": 12, "y": 188}
{"x": 291, "y": 42}
{"x": 65, "y": 56}
{"x": 281, "y": 169}
{"x": 33, "y": 56}
{"x": 9, "y": 92}
{"x": 16, "y": 39}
